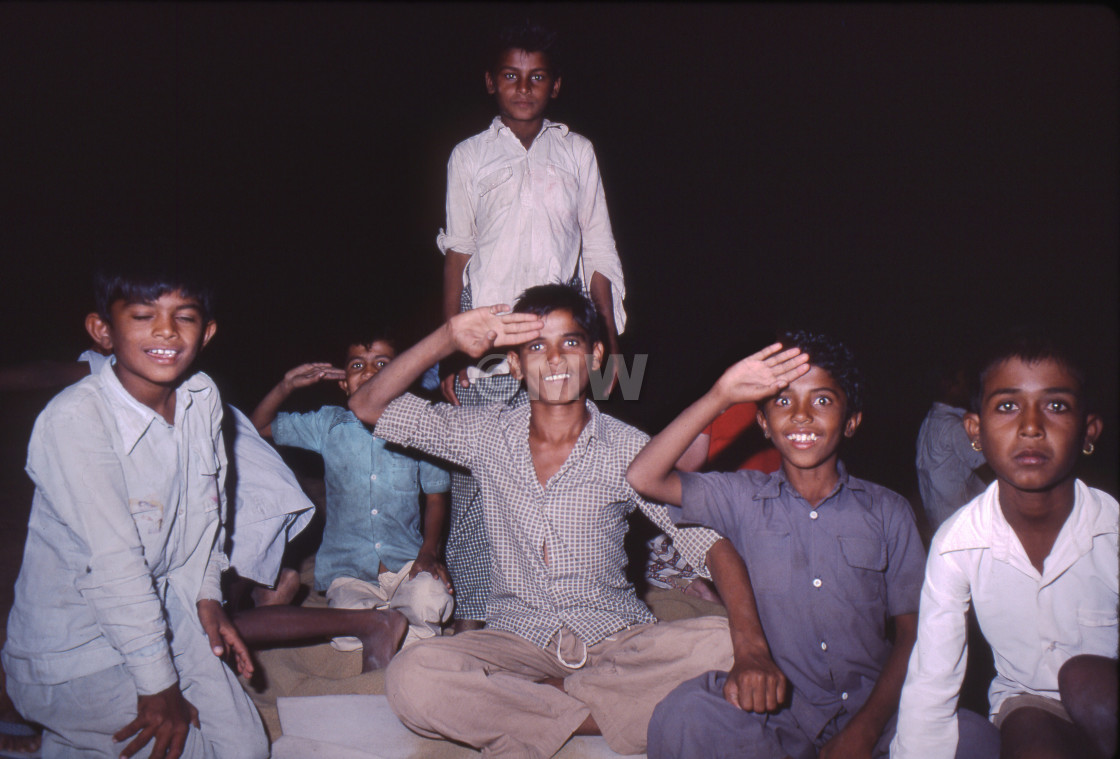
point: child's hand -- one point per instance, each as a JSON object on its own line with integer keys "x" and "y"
{"x": 305, "y": 375}
{"x": 850, "y": 743}
{"x": 761, "y": 375}
{"x": 476, "y": 331}
{"x": 447, "y": 387}
{"x": 426, "y": 562}
{"x": 222, "y": 633}
{"x": 165, "y": 716}
{"x": 755, "y": 684}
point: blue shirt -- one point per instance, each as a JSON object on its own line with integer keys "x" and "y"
{"x": 825, "y": 579}
{"x": 373, "y": 511}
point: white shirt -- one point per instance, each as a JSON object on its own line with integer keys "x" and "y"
{"x": 126, "y": 511}
{"x": 529, "y": 217}
{"x": 1034, "y": 622}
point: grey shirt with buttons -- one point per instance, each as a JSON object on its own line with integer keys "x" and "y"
{"x": 826, "y": 579}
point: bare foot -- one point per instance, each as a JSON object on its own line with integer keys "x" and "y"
{"x": 702, "y": 589}
{"x": 381, "y": 638}
{"x": 286, "y": 588}
{"x": 463, "y": 625}
{"x": 17, "y": 736}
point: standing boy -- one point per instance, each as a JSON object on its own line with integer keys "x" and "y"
{"x": 525, "y": 207}
{"x": 117, "y": 629}
{"x": 568, "y": 646}
{"x": 831, "y": 560}
{"x": 372, "y": 555}
{"x": 1035, "y": 556}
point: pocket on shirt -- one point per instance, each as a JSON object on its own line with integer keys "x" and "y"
{"x": 402, "y": 479}
{"x": 769, "y": 562}
{"x": 1098, "y": 631}
{"x": 861, "y": 569}
{"x": 147, "y": 515}
{"x": 494, "y": 179}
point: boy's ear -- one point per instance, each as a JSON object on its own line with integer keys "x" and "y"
{"x": 515, "y": 365}
{"x": 555, "y": 89}
{"x": 1094, "y": 425}
{"x": 972, "y": 428}
{"x": 491, "y": 88}
{"x": 760, "y": 419}
{"x": 852, "y": 424}
{"x": 598, "y": 350}
{"x": 345, "y": 388}
{"x": 98, "y": 330}
{"x": 208, "y": 332}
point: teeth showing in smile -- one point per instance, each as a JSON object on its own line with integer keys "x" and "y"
{"x": 555, "y": 377}
{"x": 163, "y": 352}
{"x": 801, "y": 437}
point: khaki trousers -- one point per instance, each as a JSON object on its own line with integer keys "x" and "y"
{"x": 482, "y": 688}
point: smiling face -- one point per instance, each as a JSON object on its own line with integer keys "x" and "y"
{"x": 363, "y": 362}
{"x": 1032, "y": 424}
{"x": 807, "y": 421}
{"x": 155, "y": 342}
{"x": 523, "y": 84}
{"x": 555, "y": 364}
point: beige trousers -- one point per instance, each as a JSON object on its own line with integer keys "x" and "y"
{"x": 482, "y": 688}
{"x": 424, "y": 600}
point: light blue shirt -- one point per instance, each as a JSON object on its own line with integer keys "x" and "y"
{"x": 126, "y": 510}
{"x": 373, "y": 512}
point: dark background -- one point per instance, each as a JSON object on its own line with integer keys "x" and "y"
{"x": 907, "y": 177}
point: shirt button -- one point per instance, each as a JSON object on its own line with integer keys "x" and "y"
{"x": 817, "y": 582}
{"x": 813, "y": 514}
{"x": 374, "y": 512}
{"x": 844, "y": 696}
{"x": 824, "y": 646}
{"x": 376, "y": 545}
{"x": 373, "y": 477}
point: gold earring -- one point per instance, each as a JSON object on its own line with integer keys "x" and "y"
{"x": 976, "y": 445}
{"x": 1089, "y": 448}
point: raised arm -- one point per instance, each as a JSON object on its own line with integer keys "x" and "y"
{"x": 473, "y": 332}
{"x": 302, "y": 376}
{"x": 755, "y": 684}
{"x": 754, "y": 378}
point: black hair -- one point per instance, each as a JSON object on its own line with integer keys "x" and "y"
{"x": 366, "y": 339}
{"x": 1032, "y": 345}
{"x": 542, "y": 300}
{"x": 160, "y": 267}
{"x": 834, "y": 357}
{"x": 530, "y": 36}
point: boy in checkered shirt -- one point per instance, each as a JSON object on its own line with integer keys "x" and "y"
{"x": 568, "y": 648}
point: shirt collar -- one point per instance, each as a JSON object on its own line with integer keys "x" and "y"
{"x": 516, "y": 421}
{"x": 133, "y": 418}
{"x": 773, "y": 487}
{"x": 984, "y": 525}
{"x": 496, "y": 127}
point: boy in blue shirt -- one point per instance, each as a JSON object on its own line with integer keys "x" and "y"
{"x": 117, "y": 629}
{"x": 831, "y": 560}
{"x": 372, "y": 555}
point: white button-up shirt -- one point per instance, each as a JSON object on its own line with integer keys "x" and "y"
{"x": 126, "y": 510}
{"x": 529, "y": 217}
{"x": 1034, "y": 622}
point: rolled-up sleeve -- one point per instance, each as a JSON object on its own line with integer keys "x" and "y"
{"x": 598, "y": 246}
{"x": 461, "y": 233}
{"x": 437, "y": 429}
{"x": 77, "y": 470}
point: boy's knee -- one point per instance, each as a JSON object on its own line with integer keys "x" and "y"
{"x": 1086, "y": 673}
{"x": 408, "y": 680}
{"x": 427, "y": 598}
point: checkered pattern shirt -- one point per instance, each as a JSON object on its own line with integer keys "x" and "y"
{"x": 580, "y": 515}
